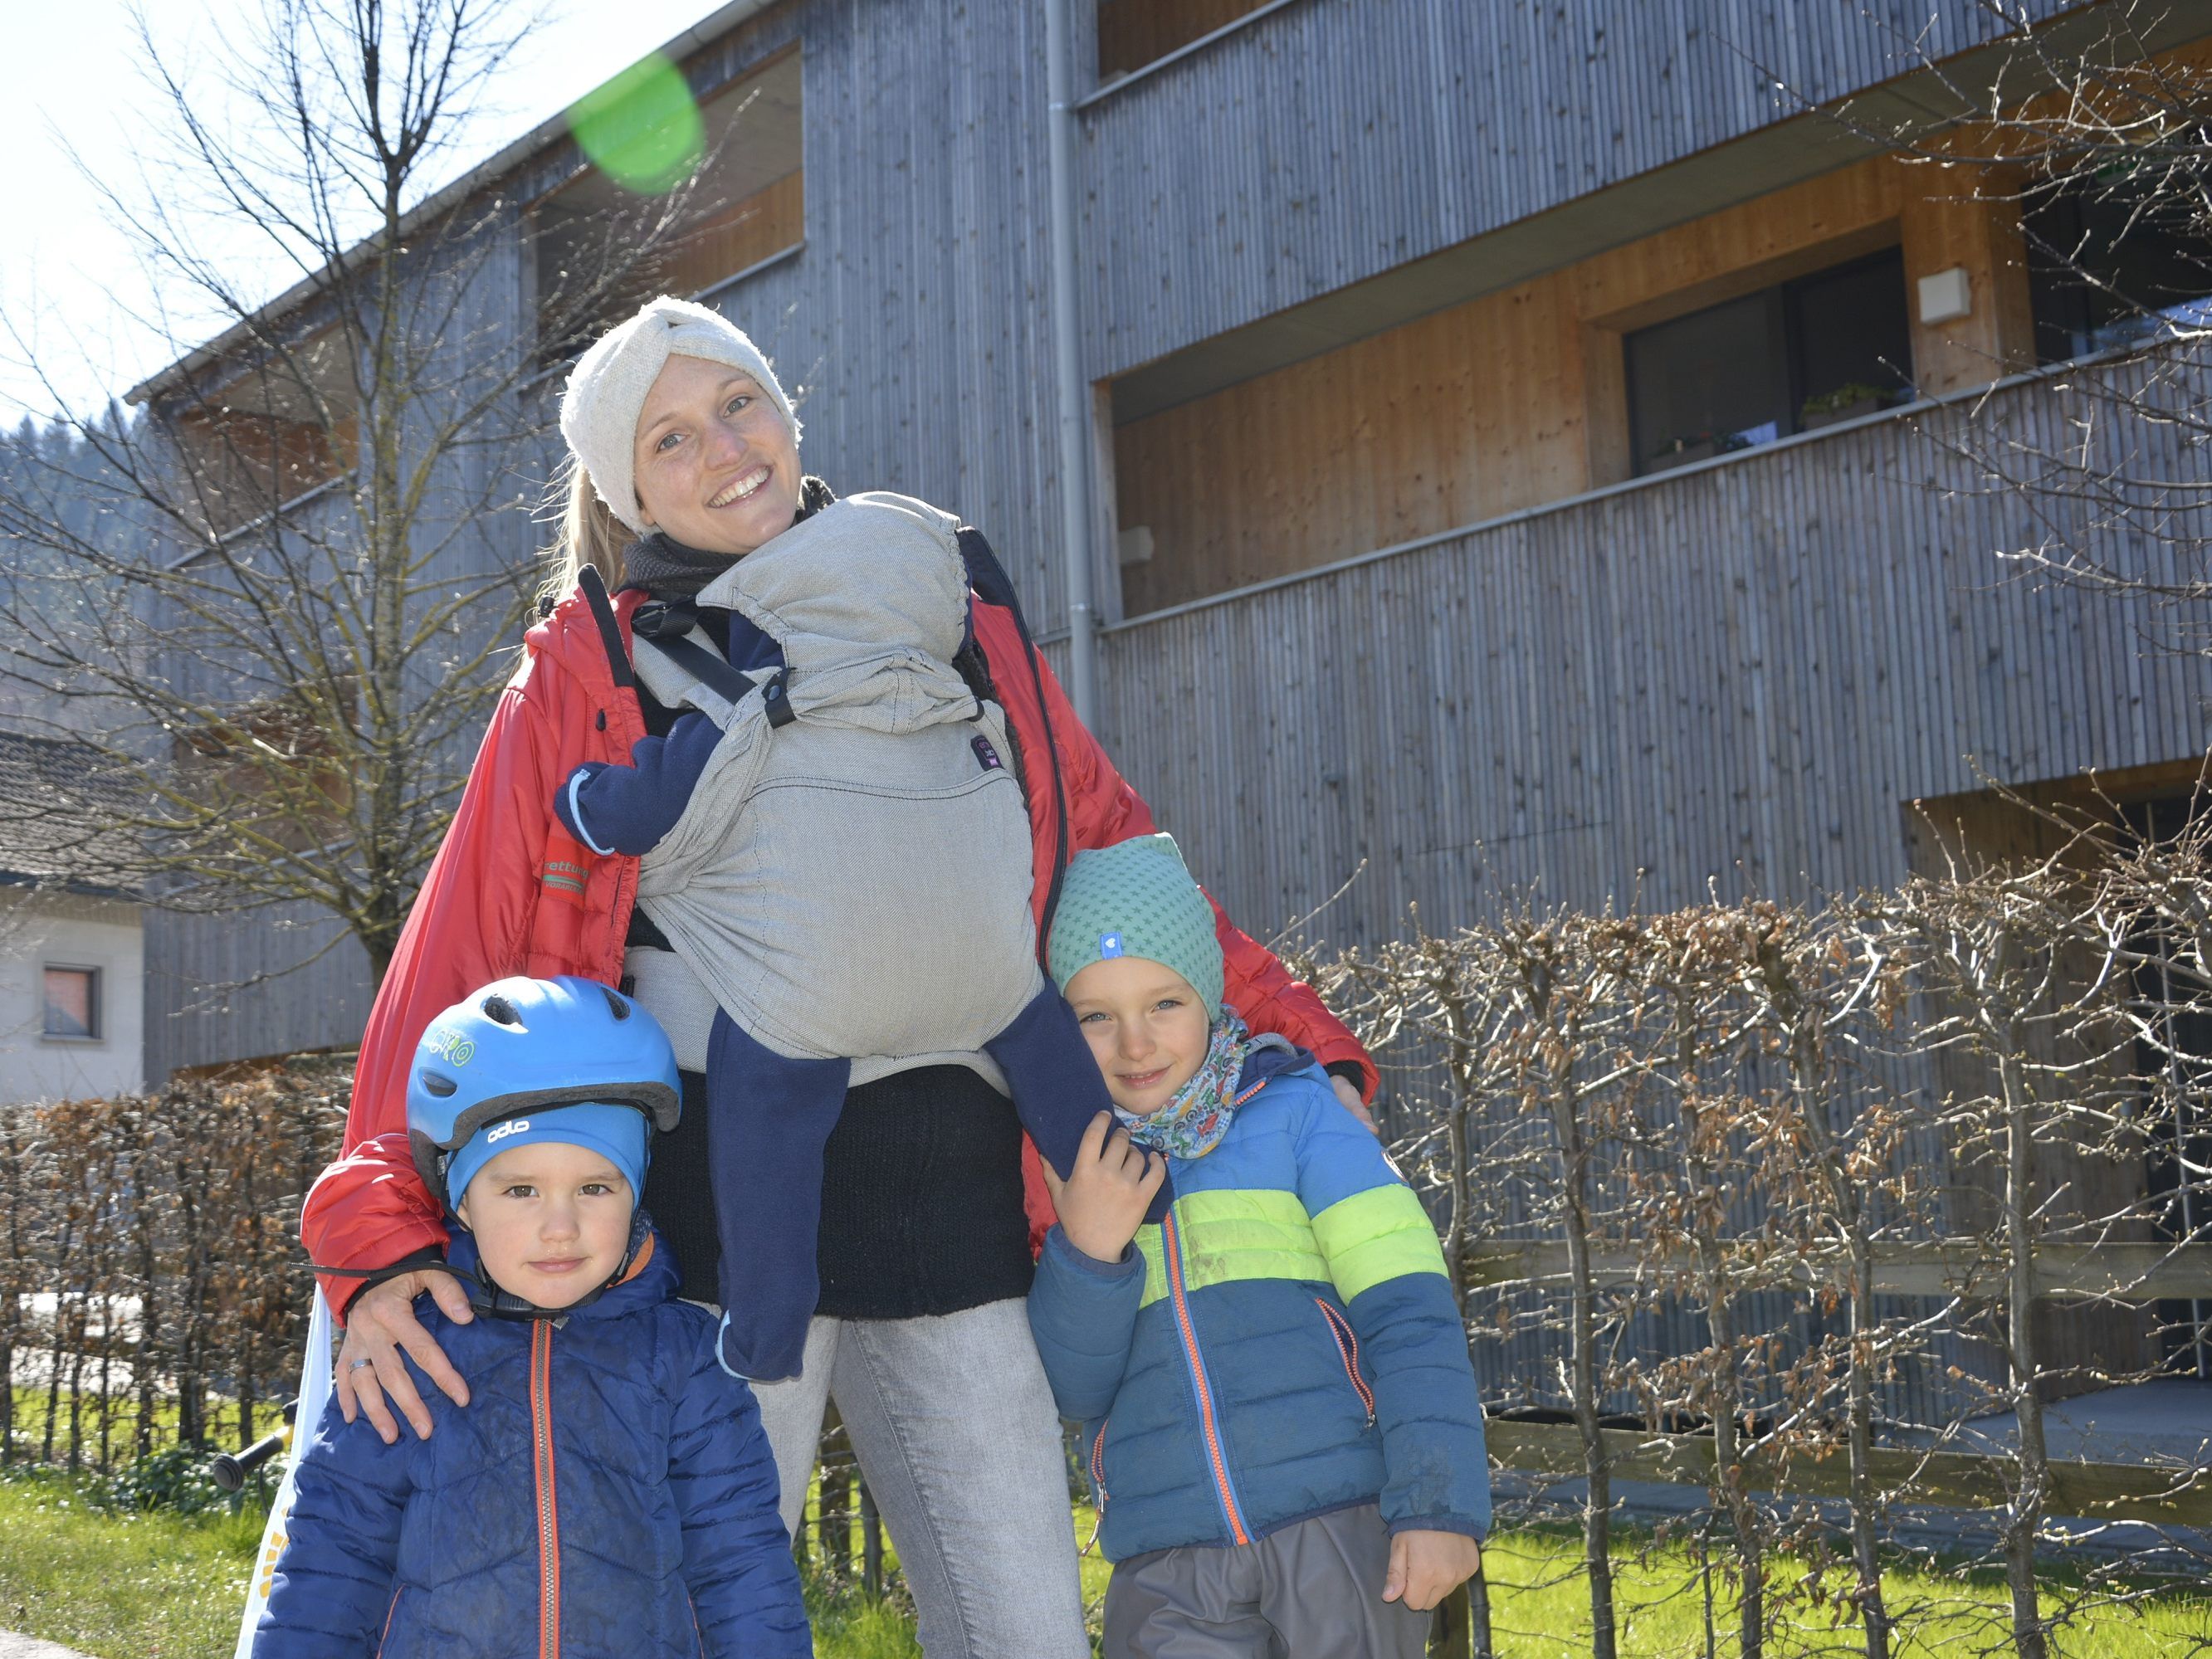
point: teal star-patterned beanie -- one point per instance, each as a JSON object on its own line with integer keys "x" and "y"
{"x": 1136, "y": 899}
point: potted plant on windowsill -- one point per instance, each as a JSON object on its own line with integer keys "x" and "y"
{"x": 1846, "y": 403}
{"x": 1686, "y": 447}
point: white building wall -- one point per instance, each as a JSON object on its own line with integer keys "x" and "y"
{"x": 70, "y": 930}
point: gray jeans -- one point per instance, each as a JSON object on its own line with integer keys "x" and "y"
{"x": 957, "y": 1435}
{"x": 1310, "y": 1591}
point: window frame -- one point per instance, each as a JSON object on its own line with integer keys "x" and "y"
{"x": 95, "y": 1001}
{"x": 1785, "y": 322}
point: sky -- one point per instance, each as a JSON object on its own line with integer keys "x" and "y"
{"x": 73, "y": 97}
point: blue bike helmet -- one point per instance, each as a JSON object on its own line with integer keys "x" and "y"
{"x": 519, "y": 1045}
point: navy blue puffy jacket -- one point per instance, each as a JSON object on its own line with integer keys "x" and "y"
{"x": 607, "y": 1490}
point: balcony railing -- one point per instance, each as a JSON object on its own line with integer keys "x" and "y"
{"x": 1734, "y": 673}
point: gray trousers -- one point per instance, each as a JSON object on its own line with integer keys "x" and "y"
{"x": 1310, "y": 1591}
{"x": 958, "y": 1437}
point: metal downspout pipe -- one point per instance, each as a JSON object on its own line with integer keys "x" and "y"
{"x": 1072, "y": 392}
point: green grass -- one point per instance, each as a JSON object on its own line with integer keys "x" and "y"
{"x": 137, "y": 1587}
{"x": 122, "y": 1587}
{"x": 850, "y": 1625}
{"x": 119, "y": 1417}
{"x": 1539, "y": 1608}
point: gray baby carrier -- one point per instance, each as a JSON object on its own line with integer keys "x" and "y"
{"x": 851, "y": 877}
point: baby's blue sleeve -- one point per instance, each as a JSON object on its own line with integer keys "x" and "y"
{"x": 627, "y": 809}
{"x": 1388, "y": 1271}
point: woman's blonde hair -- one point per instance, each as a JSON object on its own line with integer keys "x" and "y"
{"x": 589, "y": 534}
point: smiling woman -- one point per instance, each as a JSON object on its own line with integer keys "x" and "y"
{"x": 690, "y": 515}
{"x": 716, "y": 456}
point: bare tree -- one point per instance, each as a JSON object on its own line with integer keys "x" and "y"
{"x": 1809, "y": 985}
{"x": 275, "y": 599}
{"x": 2098, "y": 144}
{"x": 2001, "y": 954}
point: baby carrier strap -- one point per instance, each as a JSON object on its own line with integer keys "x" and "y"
{"x": 678, "y": 663}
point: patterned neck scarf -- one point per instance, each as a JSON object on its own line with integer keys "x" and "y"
{"x": 667, "y": 569}
{"x": 1192, "y": 1124}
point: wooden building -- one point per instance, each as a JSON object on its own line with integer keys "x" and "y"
{"x": 1518, "y": 431}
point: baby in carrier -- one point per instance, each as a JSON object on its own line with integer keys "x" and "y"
{"x": 847, "y": 874}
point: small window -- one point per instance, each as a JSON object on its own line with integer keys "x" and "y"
{"x": 1134, "y": 32}
{"x": 747, "y": 204}
{"x": 269, "y": 435}
{"x": 1799, "y": 354}
{"x": 72, "y": 1003}
{"x": 2111, "y": 263}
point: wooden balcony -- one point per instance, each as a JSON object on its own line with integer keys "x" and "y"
{"x": 1737, "y": 672}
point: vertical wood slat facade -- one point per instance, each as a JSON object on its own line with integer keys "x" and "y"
{"x": 1625, "y": 683}
{"x": 1737, "y": 674}
{"x": 1333, "y": 140}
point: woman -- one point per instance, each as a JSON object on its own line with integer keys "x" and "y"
{"x": 931, "y": 1198}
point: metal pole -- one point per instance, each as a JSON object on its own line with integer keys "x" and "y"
{"x": 1073, "y": 393}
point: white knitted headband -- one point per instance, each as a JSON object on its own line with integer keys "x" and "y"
{"x": 607, "y": 389}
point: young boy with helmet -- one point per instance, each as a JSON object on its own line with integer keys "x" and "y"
{"x": 607, "y": 1490}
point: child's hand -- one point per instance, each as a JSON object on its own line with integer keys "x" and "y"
{"x": 1427, "y": 1566}
{"x": 1103, "y": 1202}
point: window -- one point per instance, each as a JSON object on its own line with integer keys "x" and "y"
{"x": 1788, "y": 358}
{"x": 72, "y": 998}
{"x": 2105, "y": 271}
{"x": 270, "y": 434}
{"x": 1134, "y": 32}
{"x": 747, "y": 204}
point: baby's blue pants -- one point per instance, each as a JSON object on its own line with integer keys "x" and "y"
{"x": 768, "y": 1118}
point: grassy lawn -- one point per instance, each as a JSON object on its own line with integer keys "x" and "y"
{"x": 121, "y": 1586}
{"x": 133, "y": 1587}
{"x": 1539, "y": 1609}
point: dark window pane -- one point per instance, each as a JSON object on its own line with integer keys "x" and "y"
{"x": 1825, "y": 347}
{"x": 1714, "y": 380}
{"x": 1851, "y": 336}
{"x": 72, "y": 1002}
{"x": 2106, "y": 268}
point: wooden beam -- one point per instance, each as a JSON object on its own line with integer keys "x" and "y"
{"x": 2104, "y": 1492}
{"x": 2131, "y": 1271}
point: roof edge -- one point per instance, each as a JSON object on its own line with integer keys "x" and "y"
{"x": 686, "y": 44}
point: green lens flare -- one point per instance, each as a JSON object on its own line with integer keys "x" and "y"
{"x": 643, "y": 128}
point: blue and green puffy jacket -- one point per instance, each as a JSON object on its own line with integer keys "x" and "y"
{"x": 607, "y": 1492}
{"x": 1282, "y": 1344}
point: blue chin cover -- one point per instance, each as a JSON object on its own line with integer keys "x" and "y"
{"x": 617, "y": 1133}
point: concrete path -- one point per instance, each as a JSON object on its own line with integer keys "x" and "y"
{"x": 13, "y": 1646}
{"x": 2166, "y": 1421}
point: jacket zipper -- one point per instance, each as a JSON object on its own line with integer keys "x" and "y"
{"x": 1347, "y": 1349}
{"x": 1098, "y": 1463}
{"x": 1230, "y": 1509}
{"x": 390, "y": 1613}
{"x": 548, "y": 1512}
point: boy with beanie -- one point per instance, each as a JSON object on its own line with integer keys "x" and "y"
{"x": 608, "y": 1489}
{"x": 1331, "y": 1485}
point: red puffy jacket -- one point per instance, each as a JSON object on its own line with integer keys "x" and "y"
{"x": 512, "y": 892}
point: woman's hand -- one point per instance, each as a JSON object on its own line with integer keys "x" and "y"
{"x": 1352, "y": 1102}
{"x": 379, "y": 1326}
{"x": 1102, "y": 1203}
{"x": 1427, "y": 1566}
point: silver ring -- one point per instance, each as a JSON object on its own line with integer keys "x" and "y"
{"x": 358, "y": 1364}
